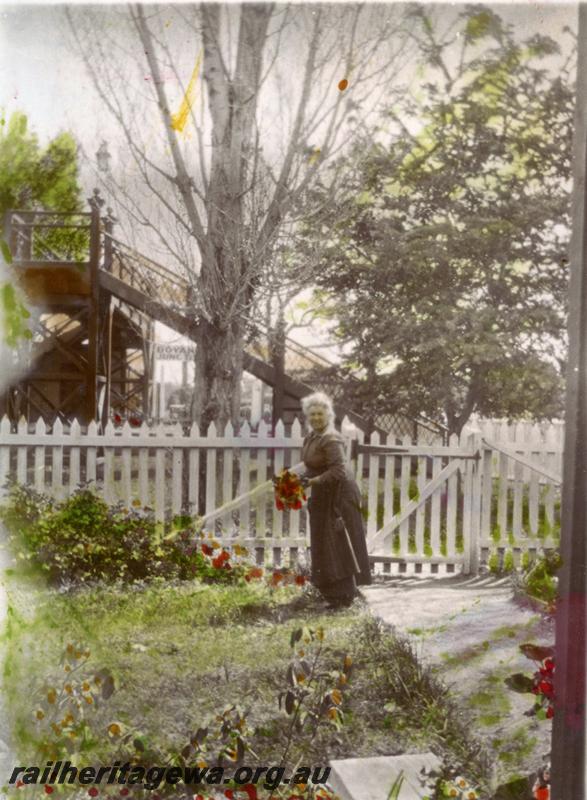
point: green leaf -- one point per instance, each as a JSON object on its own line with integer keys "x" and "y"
{"x": 519, "y": 683}
{"x": 6, "y": 251}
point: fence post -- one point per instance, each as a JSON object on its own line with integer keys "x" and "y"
{"x": 473, "y": 503}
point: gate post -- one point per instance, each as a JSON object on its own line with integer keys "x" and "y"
{"x": 472, "y": 503}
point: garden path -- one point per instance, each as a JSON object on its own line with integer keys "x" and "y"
{"x": 469, "y": 630}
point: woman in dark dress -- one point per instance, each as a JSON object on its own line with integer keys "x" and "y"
{"x": 339, "y": 558}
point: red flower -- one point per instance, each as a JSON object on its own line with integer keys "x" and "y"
{"x": 300, "y": 580}
{"x": 279, "y": 505}
{"x": 229, "y": 793}
{"x": 546, "y": 688}
{"x": 49, "y": 789}
{"x": 547, "y": 666}
{"x": 117, "y": 419}
{"x": 276, "y": 577}
{"x": 251, "y": 790}
{"x": 255, "y": 572}
{"x": 124, "y": 792}
{"x": 217, "y": 562}
{"x": 297, "y": 505}
{"x": 93, "y": 792}
{"x": 134, "y": 422}
{"x": 207, "y": 550}
{"x": 19, "y": 784}
{"x": 550, "y": 712}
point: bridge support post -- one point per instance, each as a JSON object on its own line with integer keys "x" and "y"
{"x": 93, "y": 312}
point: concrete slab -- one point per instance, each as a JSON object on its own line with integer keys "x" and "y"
{"x": 372, "y": 778}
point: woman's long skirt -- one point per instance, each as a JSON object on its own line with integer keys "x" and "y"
{"x": 339, "y": 562}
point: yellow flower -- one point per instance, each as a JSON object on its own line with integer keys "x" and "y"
{"x": 114, "y": 729}
{"x": 461, "y": 782}
{"x": 40, "y": 714}
{"x": 67, "y": 668}
{"x": 51, "y": 696}
{"x": 86, "y": 686}
{"x": 336, "y": 696}
{"x": 70, "y": 648}
{"x": 68, "y": 688}
{"x": 332, "y": 713}
{"x": 89, "y": 700}
{"x": 348, "y": 661}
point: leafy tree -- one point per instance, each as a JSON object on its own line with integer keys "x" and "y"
{"x": 446, "y": 269}
{"x": 32, "y": 176}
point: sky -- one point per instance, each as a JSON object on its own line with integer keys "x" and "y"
{"x": 41, "y": 75}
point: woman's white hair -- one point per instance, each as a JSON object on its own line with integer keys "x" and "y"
{"x": 322, "y": 401}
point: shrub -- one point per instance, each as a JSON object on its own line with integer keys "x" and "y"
{"x": 539, "y": 579}
{"x": 82, "y": 539}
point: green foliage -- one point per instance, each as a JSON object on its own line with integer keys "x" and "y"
{"x": 539, "y": 579}
{"x": 313, "y": 695}
{"x": 82, "y": 539}
{"x": 458, "y": 235}
{"x": 15, "y": 315}
{"x": 33, "y": 176}
{"x": 508, "y": 562}
{"x": 61, "y": 728}
{"x": 414, "y": 697}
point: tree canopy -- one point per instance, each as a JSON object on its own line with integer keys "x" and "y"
{"x": 32, "y": 176}
{"x": 35, "y": 176}
{"x": 446, "y": 267}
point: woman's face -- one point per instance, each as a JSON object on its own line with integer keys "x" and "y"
{"x": 318, "y": 418}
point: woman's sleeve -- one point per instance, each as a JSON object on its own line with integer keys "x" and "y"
{"x": 335, "y": 462}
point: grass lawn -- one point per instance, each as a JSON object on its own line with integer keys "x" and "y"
{"x": 181, "y": 653}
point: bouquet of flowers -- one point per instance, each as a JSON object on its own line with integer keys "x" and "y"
{"x": 289, "y": 490}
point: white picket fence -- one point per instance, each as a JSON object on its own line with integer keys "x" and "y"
{"x": 522, "y": 475}
{"x": 171, "y": 472}
{"x": 430, "y": 508}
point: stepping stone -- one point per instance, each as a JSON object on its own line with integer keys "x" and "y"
{"x": 372, "y": 778}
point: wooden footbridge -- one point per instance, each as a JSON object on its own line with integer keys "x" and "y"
{"x": 95, "y": 301}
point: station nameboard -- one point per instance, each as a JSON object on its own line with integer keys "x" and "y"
{"x": 174, "y": 352}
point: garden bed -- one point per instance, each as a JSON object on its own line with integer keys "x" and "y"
{"x": 181, "y": 653}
